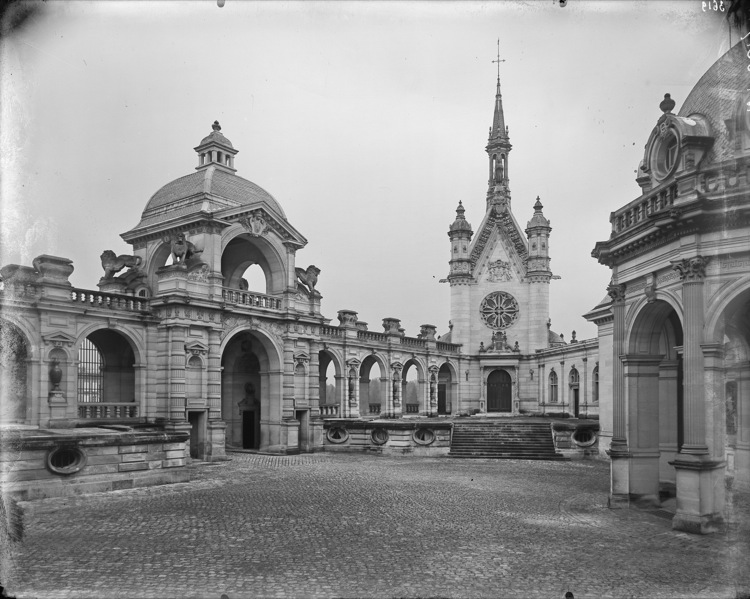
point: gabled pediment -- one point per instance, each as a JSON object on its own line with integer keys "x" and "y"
{"x": 259, "y": 221}
{"x": 59, "y": 339}
{"x": 196, "y": 348}
{"x": 493, "y": 226}
{"x": 499, "y": 250}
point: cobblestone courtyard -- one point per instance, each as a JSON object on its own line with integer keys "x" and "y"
{"x": 364, "y": 526}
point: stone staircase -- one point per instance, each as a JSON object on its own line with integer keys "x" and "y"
{"x": 507, "y": 439}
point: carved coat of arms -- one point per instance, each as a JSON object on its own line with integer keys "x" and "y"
{"x": 499, "y": 270}
{"x": 255, "y": 225}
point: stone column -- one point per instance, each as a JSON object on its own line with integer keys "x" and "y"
{"x": 700, "y": 479}
{"x": 692, "y": 272}
{"x": 395, "y": 389}
{"x": 619, "y": 495}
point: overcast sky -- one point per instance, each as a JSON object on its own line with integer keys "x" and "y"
{"x": 367, "y": 121}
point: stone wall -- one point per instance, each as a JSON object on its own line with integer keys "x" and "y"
{"x": 394, "y": 437}
{"x": 36, "y": 464}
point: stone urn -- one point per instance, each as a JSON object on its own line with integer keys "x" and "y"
{"x": 55, "y": 375}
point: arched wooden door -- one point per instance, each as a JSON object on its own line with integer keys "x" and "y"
{"x": 499, "y": 392}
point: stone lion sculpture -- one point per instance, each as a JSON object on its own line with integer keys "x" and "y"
{"x": 112, "y": 263}
{"x": 182, "y": 249}
{"x": 308, "y": 277}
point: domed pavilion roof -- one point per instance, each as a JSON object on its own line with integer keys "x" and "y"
{"x": 716, "y": 96}
{"x": 213, "y": 188}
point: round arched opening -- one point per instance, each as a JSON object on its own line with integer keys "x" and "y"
{"x": 14, "y": 384}
{"x": 106, "y": 377}
{"x": 255, "y": 261}
{"x": 653, "y": 369}
{"x": 445, "y": 390}
{"x": 372, "y": 388}
{"x": 329, "y": 381}
{"x": 411, "y": 391}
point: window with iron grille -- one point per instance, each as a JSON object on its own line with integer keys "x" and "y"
{"x": 90, "y": 375}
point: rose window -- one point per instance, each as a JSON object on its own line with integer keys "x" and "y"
{"x": 499, "y": 310}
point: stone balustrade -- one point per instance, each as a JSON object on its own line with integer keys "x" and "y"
{"x": 372, "y": 336}
{"x": 326, "y": 331}
{"x": 448, "y": 347}
{"x": 413, "y": 342}
{"x": 113, "y": 301}
{"x": 252, "y": 299}
{"x": 640, "y": 209}
{"x": 104, "y": 411}
{"x": 329, "y": 411}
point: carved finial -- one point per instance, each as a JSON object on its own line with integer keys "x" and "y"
{"x": 667, "y": 104}
{"x": 216, "y": 126}
{"x": 573, "y": 337}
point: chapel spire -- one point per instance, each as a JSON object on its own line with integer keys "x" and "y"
{"x": 498, "y": 148}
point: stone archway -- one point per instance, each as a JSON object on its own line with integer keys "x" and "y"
{"x": 445, "y": 391}
{"x": 244, "y": 251}
{"x": 731, "y": 385}
{"x": 653, "y": 372}
{"x": 373, "y": 391}
{"x": 107, "y": 384}
{"x": 251, "y": 393}
{"x": 331, "y": 382}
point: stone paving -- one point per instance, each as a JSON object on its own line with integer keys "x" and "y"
{"x": 347, "y": 525}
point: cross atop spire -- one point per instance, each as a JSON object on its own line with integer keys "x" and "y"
{"x": 498, "y": 61}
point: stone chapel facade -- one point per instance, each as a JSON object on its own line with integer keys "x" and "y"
{"x": 499, "y": 279}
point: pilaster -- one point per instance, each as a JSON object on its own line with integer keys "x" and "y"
{"x": 619, "y": 495}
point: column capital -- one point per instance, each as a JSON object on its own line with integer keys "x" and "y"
{"x": 616, "y": 292}
{"x": 691, "y": 270}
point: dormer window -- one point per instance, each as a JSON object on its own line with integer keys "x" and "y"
{"x": 671, "y": 152}
{"x": 665, "y": 154}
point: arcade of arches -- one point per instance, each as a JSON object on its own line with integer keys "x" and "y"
{"x": 213, "y": 327}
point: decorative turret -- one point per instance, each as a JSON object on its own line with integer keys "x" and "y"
{"x": 537, "y": 232}
{"x": 498, "y": 148}
{"x": 460, "y": 235}
{"x": 216, "y": 150}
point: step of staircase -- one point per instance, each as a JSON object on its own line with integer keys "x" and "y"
{"x": 508, "y": 439}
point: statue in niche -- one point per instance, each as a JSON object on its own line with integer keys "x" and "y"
{"x": 250, "y": 401}
{"x": 499, "y": 171}
{"x": 112, "y": 263}
{"x": 308, "y": 278}
{"x": 182, "y": 249}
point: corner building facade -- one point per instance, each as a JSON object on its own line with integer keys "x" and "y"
{"x": 679, "y": 333}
